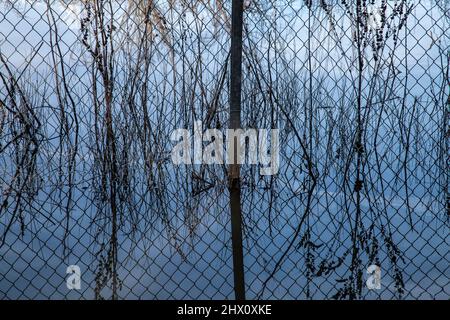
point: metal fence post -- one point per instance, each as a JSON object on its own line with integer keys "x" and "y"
{"x": 235, "y": 123}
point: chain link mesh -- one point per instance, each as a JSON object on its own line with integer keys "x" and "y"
{"x": 91, "y": 90}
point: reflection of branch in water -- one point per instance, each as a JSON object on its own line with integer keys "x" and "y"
{"x": 24, "y": 126}
{"x": 69, "y": 122}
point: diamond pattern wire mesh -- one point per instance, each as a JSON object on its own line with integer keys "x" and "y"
{"x": 90, "y": 92}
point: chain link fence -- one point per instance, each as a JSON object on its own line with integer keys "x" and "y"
{"x": 91, "y": 91}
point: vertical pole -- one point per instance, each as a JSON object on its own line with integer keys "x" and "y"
{"x": 234, "y": 172}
